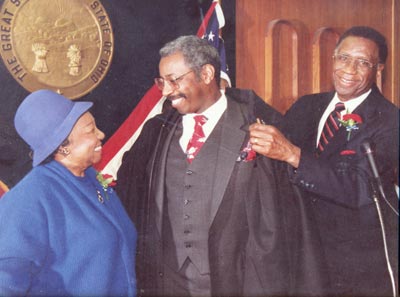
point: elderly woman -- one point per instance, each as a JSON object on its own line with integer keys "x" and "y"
{"x": 63, "y": 230}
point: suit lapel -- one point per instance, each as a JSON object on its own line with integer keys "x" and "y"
{"x": 232, "y": 138}
{"x": 369, "y": 108}
{"x": 160, "y": 156}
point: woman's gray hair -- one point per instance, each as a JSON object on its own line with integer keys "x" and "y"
{"x": 196, "y": 53}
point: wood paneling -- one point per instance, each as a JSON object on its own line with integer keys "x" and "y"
{"x": 284, "y": 47}
{"x": 286, "y": 63}
{"x": 323, "y": 44}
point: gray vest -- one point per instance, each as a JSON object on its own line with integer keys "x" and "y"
{"x": 189, "y": 196}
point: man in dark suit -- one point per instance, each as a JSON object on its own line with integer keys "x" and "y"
{"x": 329, "y": 167}
{"x": 209, "y": 225}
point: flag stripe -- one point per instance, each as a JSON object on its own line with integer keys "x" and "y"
{"x": 207, "y": 17}
{"x": 150, "y": 105}
{"x": 129, "y": 126}
{"x": 113, "y": 166}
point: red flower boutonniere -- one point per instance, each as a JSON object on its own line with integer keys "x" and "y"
{"x": 247, "y": 154}
{"x": 106, "y": 181}
{"x": 351, "y": 122}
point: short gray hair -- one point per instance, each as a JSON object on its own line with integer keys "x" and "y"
{"x": 196, "y": 53}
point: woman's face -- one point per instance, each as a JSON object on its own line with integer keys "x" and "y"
{"x": 84, "y": 147}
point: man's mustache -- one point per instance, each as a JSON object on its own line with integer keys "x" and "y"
{"x": 176, "y": 96}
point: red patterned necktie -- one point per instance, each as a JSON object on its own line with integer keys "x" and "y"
{"x": 332, "y": 125}
{"x": 198, "y": 138}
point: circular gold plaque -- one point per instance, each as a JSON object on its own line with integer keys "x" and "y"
{"x": 61, "y": 45}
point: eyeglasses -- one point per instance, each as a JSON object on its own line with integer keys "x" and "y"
{"x": 173, "y": 82}
{"x": 361, "y": 64}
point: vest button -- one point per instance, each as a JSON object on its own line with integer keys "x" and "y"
{"x": 188, "y": 245}
{"x": 186, "y": 216}
{"x": 160, "y": 274}
{"x": 188, "y": 186}
{"x": 186, "y": 201}
{"x": 189, "y": 172}
{"x": 186, "y": 231}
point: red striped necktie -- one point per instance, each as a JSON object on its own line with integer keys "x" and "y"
{"x": 331, "y": 126}
{"x": 198, "y": 138}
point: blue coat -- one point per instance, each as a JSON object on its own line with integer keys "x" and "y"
{"x": 58, "y": 239}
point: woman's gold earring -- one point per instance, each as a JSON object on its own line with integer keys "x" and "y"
{"x": 64, "y": 151}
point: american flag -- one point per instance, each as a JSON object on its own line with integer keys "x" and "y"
{"x": 152, "y": 102}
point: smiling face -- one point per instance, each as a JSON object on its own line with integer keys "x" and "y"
{"x": 349, "y": 80}
{"x": 194, "y": 93}
{"x": 84, "y": 146}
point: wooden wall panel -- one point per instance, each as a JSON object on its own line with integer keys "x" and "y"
{"x": 323, "y": 45}
{"x": 286, "y": 63}
{"x": 284, "y": 47}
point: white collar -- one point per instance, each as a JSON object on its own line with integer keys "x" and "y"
{"x": 351, "y": 104}
{"x": 213, "y": 113}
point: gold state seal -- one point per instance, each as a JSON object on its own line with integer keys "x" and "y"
{"x": 62, "y": 45}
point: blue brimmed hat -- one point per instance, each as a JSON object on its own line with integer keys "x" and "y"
{"x": 45, "y": 119}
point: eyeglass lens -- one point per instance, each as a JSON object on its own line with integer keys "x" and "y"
{"x": 173, "y": 82}
{"x": 360, "y": 64}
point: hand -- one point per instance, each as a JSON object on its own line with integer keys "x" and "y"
{"x": 270, "y": 142}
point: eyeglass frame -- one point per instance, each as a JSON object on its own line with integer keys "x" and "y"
{"x": 361, "y": 64}
{"x": 173, "y": 82}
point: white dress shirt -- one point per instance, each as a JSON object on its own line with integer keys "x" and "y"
{"x": 213, "y": 114}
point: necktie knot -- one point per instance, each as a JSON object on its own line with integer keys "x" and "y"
{"x": 339, "y": 107}
{"x": 200, "y": 120}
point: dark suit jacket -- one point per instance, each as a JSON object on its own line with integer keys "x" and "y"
{"x": 337, "y": 187}
{"x": 247, "y": 239}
